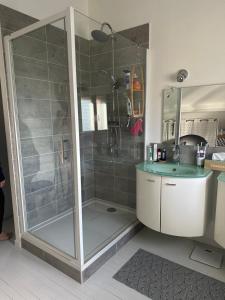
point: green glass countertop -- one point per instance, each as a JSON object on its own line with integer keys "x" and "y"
{"x": 221, "y": 177}
{"x": 173, "y": 170}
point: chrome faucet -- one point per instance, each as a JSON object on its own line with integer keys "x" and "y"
{"x": 176, "y": 154}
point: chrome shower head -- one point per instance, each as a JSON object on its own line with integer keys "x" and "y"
{"x": 100, "y": 35}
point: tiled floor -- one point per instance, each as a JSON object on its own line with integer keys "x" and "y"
{"x": 23, "y": 276}
{"x": 99, "y": 226}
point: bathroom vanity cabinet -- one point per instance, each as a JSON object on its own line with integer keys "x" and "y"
{"x": 171, "y": 205}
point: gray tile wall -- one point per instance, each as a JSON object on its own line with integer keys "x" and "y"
{"x": 114, "y": 169}
{"x": 41, "y": 81}
{"x": 105, "y": 174}
{"x": 10, "y": 21}
{"x": 86, "y": 138}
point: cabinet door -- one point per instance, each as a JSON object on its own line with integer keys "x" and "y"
{"x": 183, "y": 206}
{"x": 220, "y": 215}
{"x": 148, "y": 199}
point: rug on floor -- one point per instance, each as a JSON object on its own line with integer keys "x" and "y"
{"x": 159, "y": 278}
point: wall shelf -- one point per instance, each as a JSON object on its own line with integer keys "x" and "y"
{"x": 137, "y": 96}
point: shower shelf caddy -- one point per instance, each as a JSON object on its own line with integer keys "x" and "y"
{"x": 137, "y": 96}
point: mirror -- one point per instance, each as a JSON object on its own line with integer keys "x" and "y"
{"x": 200, "y": 115}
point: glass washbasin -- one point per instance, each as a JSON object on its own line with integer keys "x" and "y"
{"x": 173, "y": 170}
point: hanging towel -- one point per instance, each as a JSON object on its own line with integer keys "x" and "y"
{"x": 137, "y": 128}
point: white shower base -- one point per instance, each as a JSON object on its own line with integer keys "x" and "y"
{"x": 99, "y": 227}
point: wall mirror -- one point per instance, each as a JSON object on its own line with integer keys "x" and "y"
{"x": 194, "y": 115}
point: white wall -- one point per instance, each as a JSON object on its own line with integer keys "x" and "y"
{"x": 184, "y": 34}
{"x": 43, "y": 8}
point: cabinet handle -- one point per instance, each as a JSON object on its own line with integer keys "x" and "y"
{"x": 150, "y": 180}
{"x": 171, "y": 184}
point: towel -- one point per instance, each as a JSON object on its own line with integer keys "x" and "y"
{"x": 137, "y": 128}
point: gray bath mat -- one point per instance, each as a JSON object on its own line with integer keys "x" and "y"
{"x": 159, "y": 278}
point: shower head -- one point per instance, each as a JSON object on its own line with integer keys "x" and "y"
{"x": 100, "y": 35}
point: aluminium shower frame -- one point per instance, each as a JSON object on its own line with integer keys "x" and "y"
{"x": 10, "y": 112}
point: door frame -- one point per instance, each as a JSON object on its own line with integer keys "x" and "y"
{"x": 9, "y": 141}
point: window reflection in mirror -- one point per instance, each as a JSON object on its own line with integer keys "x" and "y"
{"x": 101, "y": 109}
{"x": 88, "y": 116}
{"x": 203, "y": 113}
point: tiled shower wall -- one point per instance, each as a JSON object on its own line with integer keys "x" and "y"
{"x": 86, "y": 138}
{"x": 109, "y": 173}
{"x": 41, "y": 81}
{"x": 114, "y": 167}
{"x": 41, "y": 72}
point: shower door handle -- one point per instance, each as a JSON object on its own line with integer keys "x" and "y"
{"x": 64, "y": 155}
{"x": 62, "y": 152}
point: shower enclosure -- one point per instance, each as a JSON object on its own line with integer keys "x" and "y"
{"x": 73, "y": 153}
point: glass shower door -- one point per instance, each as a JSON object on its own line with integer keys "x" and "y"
{"x": 109, "y": 151}
{"x": 43, "y": 119}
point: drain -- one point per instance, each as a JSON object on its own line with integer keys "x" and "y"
{"x": 111, "y": 209}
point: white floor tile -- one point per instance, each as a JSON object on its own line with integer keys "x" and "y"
{"x": 24, "y": 276}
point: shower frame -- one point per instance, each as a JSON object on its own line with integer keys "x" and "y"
{"x": 8, "y": 95}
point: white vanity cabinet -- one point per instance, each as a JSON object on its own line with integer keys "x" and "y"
{"x": 171, "y": 205}
{"x": 183, "y": 206}
{"x": 148, "y": 195}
